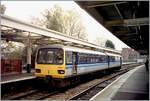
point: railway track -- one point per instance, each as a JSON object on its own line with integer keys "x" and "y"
{"x": 33, "y": 95}
{"x": 82, "y": 88}
{"x": 91, "y": 91}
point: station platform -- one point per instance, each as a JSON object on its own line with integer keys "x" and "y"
{"x": 133, "y": 85}
{"x": 17, "y": 77}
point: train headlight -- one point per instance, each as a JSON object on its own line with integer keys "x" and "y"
{"x": 37, "y": 70}
{"x": 61, "y": 72}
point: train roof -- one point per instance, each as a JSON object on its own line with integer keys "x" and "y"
{"x": 76, "y": 49}
{"x": 112, "y": 54}
{"x": 83, "y": 50}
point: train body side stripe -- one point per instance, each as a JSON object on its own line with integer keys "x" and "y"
{"x": 84, "y": 68}
{"x": 88, "y": 65}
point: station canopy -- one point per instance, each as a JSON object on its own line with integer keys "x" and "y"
{"x": 127, "y": 20}
{"x": 19, "y": 31}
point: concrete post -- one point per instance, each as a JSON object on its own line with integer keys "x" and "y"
{"x": 28, "y": 68}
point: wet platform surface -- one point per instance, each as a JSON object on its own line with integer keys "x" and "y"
{"x": 133, "y": 85}
{"x": 17, "y": 77}
{"x": 135, "y": 88}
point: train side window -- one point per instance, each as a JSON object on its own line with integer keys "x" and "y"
{"x": 117, "y": 58}
{"x": 97, "y": 58}
{"x": 112, "y": 58}
{"x": 104, "y": 58}
{"x": 88, "y": 58}
{"x": 68, "y": 57}
{"x": 80, "y": 58}
{"x": 91, "y": 58}
{"x": 100, "y": 58}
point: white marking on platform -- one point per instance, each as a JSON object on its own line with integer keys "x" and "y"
{"x": 20, "y": 79}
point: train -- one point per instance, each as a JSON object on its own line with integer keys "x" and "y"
{"x": 61, "y": 64}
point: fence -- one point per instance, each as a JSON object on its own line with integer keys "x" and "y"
{"x": 11, "y": 66}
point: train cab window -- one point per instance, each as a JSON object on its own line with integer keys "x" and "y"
{"x": 58, "y": 58}
{"x": 45, "y": 56}
{"x": 50, "y": 56}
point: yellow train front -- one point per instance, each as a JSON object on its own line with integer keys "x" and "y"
{"x": 61, "y": 64}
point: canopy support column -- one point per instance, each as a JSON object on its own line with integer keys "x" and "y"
{"x": 28, "y": 54}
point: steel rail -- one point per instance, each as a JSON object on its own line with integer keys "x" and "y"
{"x": 33, "y": 95}
{"x": 16, "y": 97}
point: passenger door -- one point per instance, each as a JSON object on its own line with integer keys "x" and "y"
{"x": 74, "y": 62}
{"x": 120, "y": 61}
{"x": 108, "y": 59}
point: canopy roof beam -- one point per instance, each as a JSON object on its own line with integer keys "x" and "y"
{"x": 20, "y": 25}
{"x": 128, "y": 22}
{"x": 108, "y": 3}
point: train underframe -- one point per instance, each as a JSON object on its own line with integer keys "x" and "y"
{"x": 73, "y": 80}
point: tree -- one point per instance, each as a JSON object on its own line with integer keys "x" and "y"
{"x": 11, "y": 50}
{"x": 100, "y": 41}
{"x": 109, "y": 44}
{"x": 54, "y": 19}
{"x": 37, "y": 21}
{"x": 64, "y": 21}
{"x": 2, "y": 9}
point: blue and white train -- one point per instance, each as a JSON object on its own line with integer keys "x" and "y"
{"x": 58, "y": 62}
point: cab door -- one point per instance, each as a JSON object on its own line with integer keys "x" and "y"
{"x": 74, "y": 62}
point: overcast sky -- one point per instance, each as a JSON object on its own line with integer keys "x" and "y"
{"x": 24, "y": 10}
